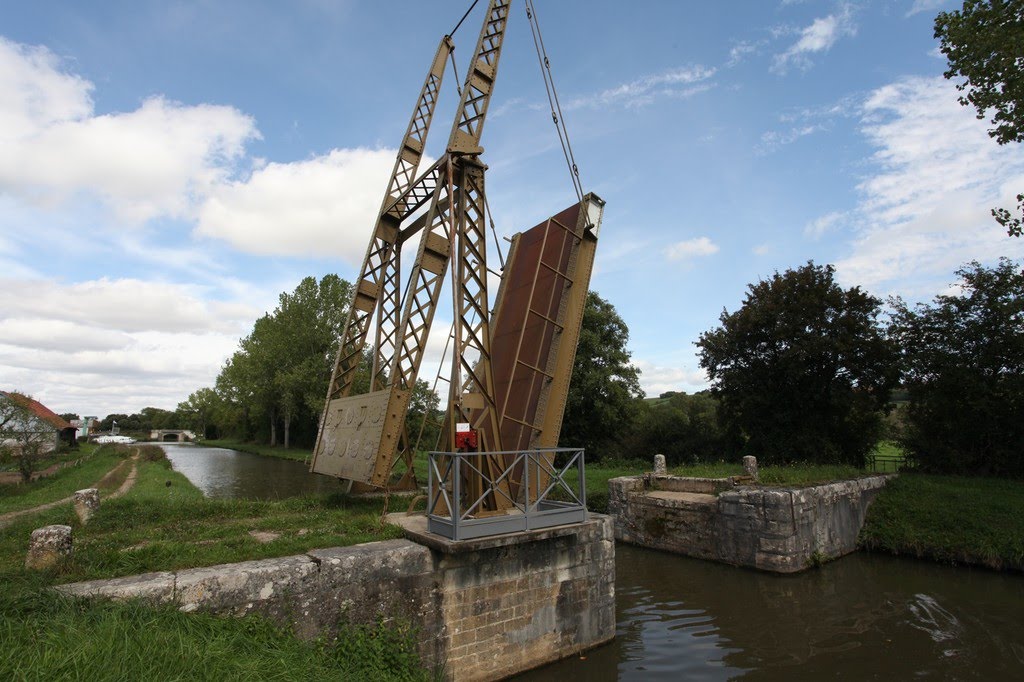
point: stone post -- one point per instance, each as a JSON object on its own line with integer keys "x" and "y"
{"x": 659, "y": 466}
{"x": 87, "y": 503}
{"x": 49, "y": 545}
{"x": 750, "y": 466}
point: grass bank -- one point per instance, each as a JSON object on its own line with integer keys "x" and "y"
{"x": 48, "y": 637}
{"x": 949, "y": 519}
{"x": 299, "y": 454}
{"x": 164, "y": 523}
{"x": 94, "y": 463}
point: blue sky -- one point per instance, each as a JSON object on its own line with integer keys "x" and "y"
{"x": 168, "y": 168}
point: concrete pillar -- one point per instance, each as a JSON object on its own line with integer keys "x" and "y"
{"x": 750, "y": 466}
{"x": 48, "y": 546}
{"x": 659, "y": 466}
{"x": 87, "y": 503}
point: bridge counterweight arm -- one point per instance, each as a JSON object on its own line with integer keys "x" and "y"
{"x": 378, "y": 276}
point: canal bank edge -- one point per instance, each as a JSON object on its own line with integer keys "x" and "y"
{"x": 484, "y": 614}
{"x": 783, "y": 530}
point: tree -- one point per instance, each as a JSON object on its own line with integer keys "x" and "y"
{"x": 24, "y": 438}
{"x": 684, "y": 428}
{"x": 802, "y": 370}
{"x": 198, "y": 411}
{"x": 963, "y": 358}
{"x": 604, "y": 392}
{"x": 984, "y": 45}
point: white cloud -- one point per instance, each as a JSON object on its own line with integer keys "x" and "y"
{"x": 925, "y": 211}
{"x": 325, "y": 206}
{"x": 691, "y": 248}
{"x": 154, "y": 161}
{"x": 113, "y": 345}
{"x": 926, "y": 6}
{"x": 822, "y": 225}
{"x": 60, "y": 335}
{"x": 152, "y": 368}
{"x": 741, "y": 51}
{"x": 820, "y": 36}
{"x": 773, "y": 139}
{"x": 127, "y": 305}
{"x": 655, "y": 379}
{"x": 762, "y": 249}
{"x": 680, "y": 82}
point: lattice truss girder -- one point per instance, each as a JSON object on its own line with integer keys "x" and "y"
{"x": 453, "y": 186}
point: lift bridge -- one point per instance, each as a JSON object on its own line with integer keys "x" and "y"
{"x": 496, "y": 467}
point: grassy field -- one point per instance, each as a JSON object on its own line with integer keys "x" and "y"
{"x": 949, "y": 519}
{"x": 95, "y": 462}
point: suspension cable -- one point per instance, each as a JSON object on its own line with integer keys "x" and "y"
{"x": 452, "y": 34}
{"x": 552, "y": 93}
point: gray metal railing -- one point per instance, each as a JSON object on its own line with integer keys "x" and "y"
{"x": 530, "y": 489}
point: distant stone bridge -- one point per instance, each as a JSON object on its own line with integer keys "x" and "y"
{"x": 172, "y": 435}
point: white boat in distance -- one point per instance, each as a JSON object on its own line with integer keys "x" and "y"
{"x": 123, "y": 440}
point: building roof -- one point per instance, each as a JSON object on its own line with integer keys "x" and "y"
{"x": 38, "y": 409}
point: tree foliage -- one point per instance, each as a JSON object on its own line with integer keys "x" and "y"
{"x": 277, "y": 379}
{"x": 685, "y": 428}
{"x": 802, "y": 369}
{"x": 963, "y": 358}
{"x": 605, "y": 388}
{"x": 984, "y": 45}
{"x": 24, "y": 438}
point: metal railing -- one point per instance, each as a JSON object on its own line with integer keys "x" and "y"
{"x": 474, "y": 495}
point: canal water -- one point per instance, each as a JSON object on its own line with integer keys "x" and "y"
{"x": 863, "y": 617}
{"x": 220, "y": 472}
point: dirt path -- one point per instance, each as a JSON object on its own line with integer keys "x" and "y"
{"x": 9, "y": 518}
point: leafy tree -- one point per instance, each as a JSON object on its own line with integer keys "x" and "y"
{"x": 963, "y": 359}
{"x": 604, "y": 393}
{"x": 684, "y": 428}
{"x": 198, "y": 411}
{"x": 802, "y": 369}
{"x": 984, "y": 45}
{"x": 24, "y": 438}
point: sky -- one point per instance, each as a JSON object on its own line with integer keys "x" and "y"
{"x": 167, "y": 169}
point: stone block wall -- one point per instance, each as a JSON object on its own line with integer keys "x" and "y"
{"x": 483, "y": 614}
{"x": 507, "y": 610}
{"x": 774, "y": 529}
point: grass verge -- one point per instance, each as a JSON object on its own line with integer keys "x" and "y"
{"x": 88, "y": 472}
{"x": 164, "y": 523}
{"x": 49, "y": 637}
{"x": 298, "y": 454}
{"x": 949, "y": 519}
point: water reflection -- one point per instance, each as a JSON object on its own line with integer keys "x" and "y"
{"x": 863, "y": 617}
{"x": 220, "y": 472}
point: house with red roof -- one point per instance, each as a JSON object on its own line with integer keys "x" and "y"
{"x": 26, "y": 420}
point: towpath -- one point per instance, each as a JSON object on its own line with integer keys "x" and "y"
{"x": 9, "y": 518}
